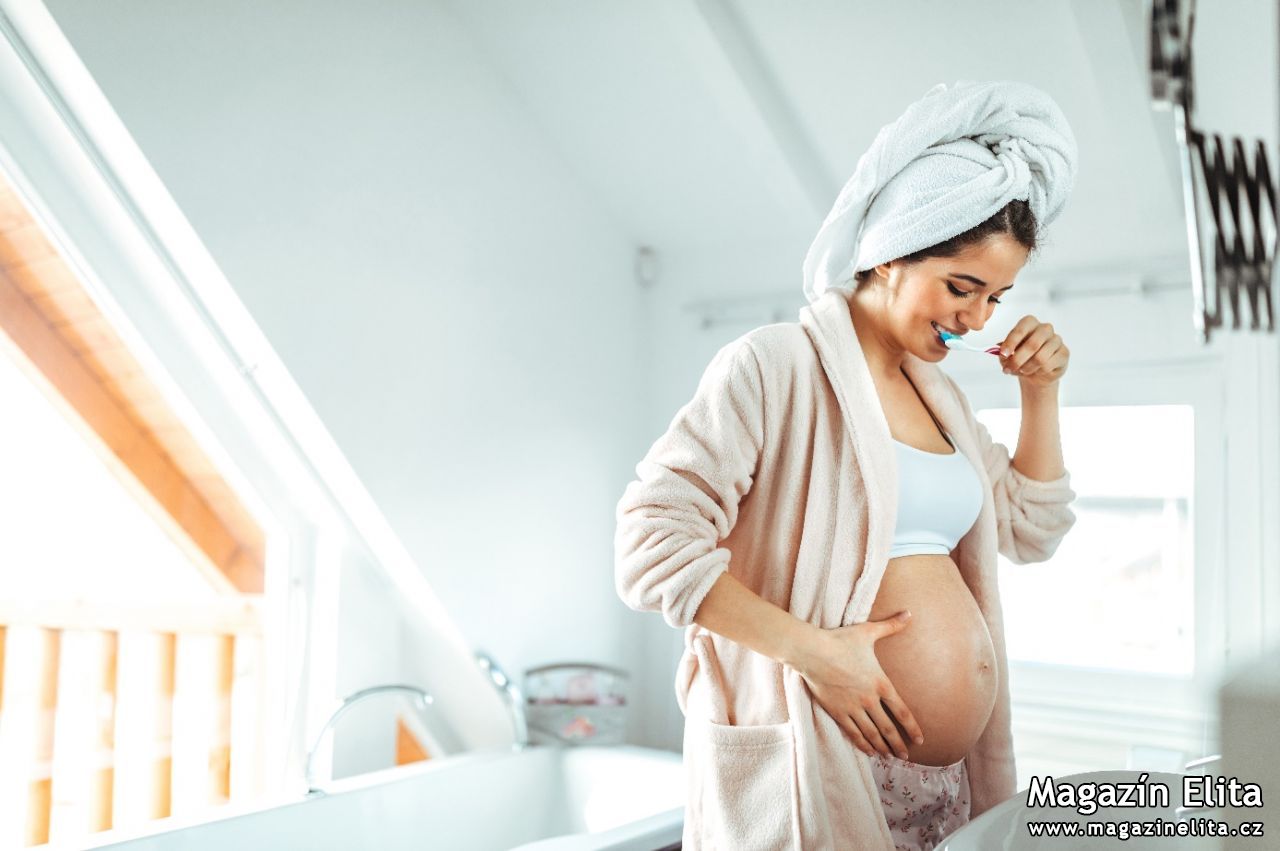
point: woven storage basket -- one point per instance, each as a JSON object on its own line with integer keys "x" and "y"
{"x": 576, "y": 703}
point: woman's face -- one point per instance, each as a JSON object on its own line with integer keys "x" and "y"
{"x": 948, "y": 291}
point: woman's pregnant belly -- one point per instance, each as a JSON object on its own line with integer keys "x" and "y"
{"x": 943, "y": 663}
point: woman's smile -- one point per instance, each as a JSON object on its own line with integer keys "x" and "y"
{"x": 937, "y": 336}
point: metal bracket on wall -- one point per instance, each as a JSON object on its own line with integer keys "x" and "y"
{"x": 1241, "y": 200}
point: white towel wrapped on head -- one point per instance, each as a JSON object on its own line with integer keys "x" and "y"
{"x": 949, "y": 163}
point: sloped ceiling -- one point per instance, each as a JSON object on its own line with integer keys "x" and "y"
{"x": 711, "y": 124}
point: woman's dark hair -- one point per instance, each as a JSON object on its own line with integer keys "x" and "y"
{"x": 1015, "y": 219}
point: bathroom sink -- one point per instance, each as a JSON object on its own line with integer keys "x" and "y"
{"x": 1006, "y": 825}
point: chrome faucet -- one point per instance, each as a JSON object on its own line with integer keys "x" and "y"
{"x": 511, "y": 692}
{"x": 423, "y": 699}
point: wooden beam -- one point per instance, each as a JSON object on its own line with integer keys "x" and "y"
{"x": 24, "y": 243}
{"x": 162, "y": 761}
{"x": 40, "y": 791}
{"x": 219, "y": 784}
{"x": 103, "y": 790}
{"x": 12, "y": 211}
{"x": 49, "y": 275}
{"x": 127, "y": 411}
{"x": 138, "y": 460}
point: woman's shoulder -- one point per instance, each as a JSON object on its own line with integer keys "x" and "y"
{"x": 780, "y": 347}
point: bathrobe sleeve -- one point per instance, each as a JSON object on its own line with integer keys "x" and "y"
{"x": 1032, "y": 516}
{"x": 685, "y": 500}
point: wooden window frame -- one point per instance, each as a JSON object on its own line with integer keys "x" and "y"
{"x": 52, "y": 328}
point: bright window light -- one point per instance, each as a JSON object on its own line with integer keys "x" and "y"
{"x": 1117, "y": 594}
{"x": 71, "y": 527}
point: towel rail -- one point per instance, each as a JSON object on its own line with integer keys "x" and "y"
{"x": 1215, "y": 171}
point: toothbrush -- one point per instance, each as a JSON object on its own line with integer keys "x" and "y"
{"x": 955, "y": 341}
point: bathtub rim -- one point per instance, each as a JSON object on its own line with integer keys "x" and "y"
{"x": 346, "y": 785}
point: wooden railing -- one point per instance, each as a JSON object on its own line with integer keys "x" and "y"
{"x": 114, "y": 715}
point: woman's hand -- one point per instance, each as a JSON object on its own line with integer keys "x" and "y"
{"x": 1034, "y": 353}
{"x": 846, "y": 679}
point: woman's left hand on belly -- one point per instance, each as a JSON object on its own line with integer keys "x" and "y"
{"x": 1037, "y": 355}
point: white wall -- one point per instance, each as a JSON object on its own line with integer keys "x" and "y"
{"x": 456, "y": 309}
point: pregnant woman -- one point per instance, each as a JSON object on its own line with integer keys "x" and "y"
{"x": 824, "y": 515}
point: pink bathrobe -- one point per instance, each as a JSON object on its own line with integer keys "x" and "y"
{"x": 782, "y": 470}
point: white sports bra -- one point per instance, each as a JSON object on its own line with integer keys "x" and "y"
{"x": 939, "y": 498}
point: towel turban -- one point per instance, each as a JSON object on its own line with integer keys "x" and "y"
{"x": 950, "y": 162}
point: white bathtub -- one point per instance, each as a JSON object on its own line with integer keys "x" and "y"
{"x": 544, "y": 798}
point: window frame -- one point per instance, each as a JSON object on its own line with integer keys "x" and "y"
{"x": 84, "y": 178}
{"x": 132, "y": 272}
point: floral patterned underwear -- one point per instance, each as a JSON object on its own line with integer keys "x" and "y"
{"x": 922, "y": 803}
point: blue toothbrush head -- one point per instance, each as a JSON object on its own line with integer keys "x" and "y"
{"x": 947, "y": 335}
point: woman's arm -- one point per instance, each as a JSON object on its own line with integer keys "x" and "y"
{"x": 1033, "y": 514}
{"x": 672, "y": 518}
{"x": 1031, "y": 491}
{"x": 1039, "y": 453}
{"x": 1039, "y": 358}
{"x": 735, "y": 611}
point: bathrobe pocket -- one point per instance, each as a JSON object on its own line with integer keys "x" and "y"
{"x": 741, "y": 779}
{"x": 742, "y": 787}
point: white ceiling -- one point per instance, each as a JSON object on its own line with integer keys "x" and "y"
{"x": 706, "y": 125}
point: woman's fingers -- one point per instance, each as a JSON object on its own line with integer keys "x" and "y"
{"x": 1035, "y": 352}
{"x": 859, "y": 740}
{"x": 888, "y": 732}
{"x": 871, "y": 732}
{"x": 833, "y": 707}
{"x": 859, "y": 697}
{"x": 904, "y": 716}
